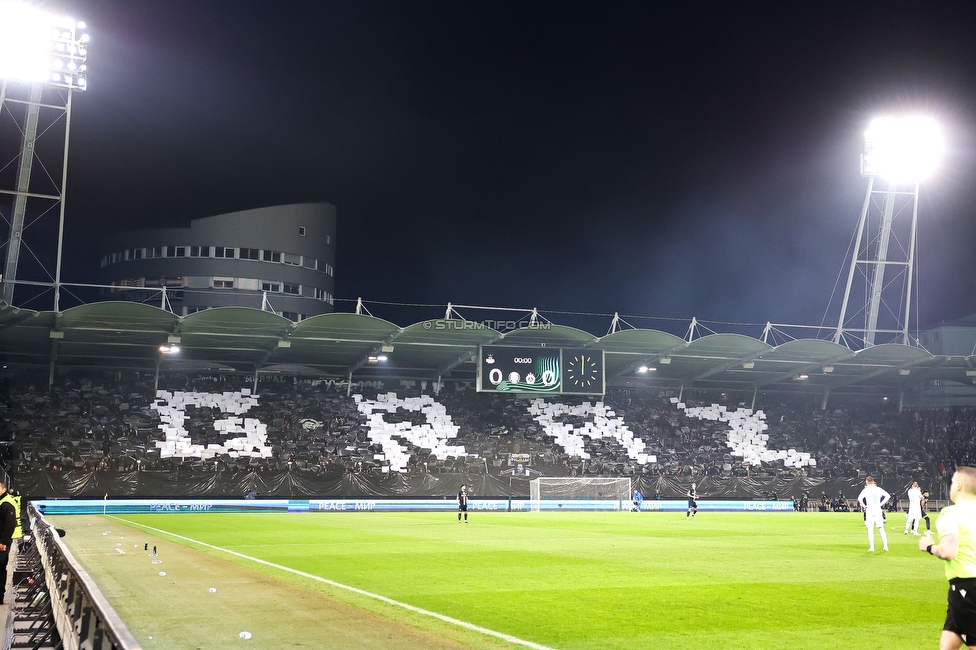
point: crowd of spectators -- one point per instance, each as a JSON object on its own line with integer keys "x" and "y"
{"x": 948, "y": 436}
{"x": 106, "y": 423}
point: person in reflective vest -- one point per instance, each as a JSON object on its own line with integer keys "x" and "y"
{"x": 14, "y": 497}
{"x": 9, "y": 526}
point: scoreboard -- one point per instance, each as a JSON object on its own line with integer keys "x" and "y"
{"x": 541, "y": 371}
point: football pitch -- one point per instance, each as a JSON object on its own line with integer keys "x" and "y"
{"x": 562, "y": 580}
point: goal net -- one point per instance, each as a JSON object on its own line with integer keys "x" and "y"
{"x": 593, "y": 488}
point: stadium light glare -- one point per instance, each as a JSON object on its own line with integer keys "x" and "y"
{"x": 642, "y": 369}
{"x": 34, "y": 43}
{"x": 906, "y": 149}
{"x": 169, "y": 349}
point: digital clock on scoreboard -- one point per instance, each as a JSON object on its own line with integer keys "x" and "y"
{"x": 540, "y": 370}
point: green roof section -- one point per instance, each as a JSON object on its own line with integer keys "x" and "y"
{"x": 639, "y": 341}
{"x": 126, "y": 335}
{"x": 724, "y": 346}
{"x": 553, "y": 336}
{"x": 119, "y": 316}
{"x": 453, "y": 332}
{"x": 340, "y": 327}
{"x": 810, "y": 350}
{"x": 890, "y": 353}
{"x": 235, "y": 321}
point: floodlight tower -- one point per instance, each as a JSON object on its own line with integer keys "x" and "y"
{"x": 42, "y": 63}
{"x": 899, "y": 153}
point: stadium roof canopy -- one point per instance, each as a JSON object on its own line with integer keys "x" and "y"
{"x": 128, "y": 336}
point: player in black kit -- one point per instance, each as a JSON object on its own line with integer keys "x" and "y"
{"x": 692, "y": 502}
{"x": 463, "y": 503}
{"x": 925, "y": 515}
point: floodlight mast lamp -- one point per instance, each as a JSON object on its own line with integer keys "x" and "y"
{"x": 900, "y": 152}
{"x": 42, "y": 63}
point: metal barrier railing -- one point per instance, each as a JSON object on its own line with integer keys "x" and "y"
{"x": 82, "y": 615}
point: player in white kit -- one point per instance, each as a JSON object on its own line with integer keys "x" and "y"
{"x": 872, "y": 498}
{"x": 914, "y": 509}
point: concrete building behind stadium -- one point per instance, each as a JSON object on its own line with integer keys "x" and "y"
{"x": 280, "y": 258}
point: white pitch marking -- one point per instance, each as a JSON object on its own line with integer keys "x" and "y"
{"x": 120, "y": 551}
{"x": 356, "y": 590}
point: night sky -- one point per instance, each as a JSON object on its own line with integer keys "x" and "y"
{"x": 652, "y": 158}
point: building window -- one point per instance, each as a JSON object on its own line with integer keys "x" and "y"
{"x": 126, "y": 254}
{"x": 157, "y": 251}
{"x": 205, "y": 252}
{"x": 181, "y": 251}
{"x": 137, "y": 282}
{"x": 169, "y": 251}
{"x": 248, "y": 284}
{"x": 293, "y": 289}
{"x": 194, "y": 251}
{"x": 105, "y": 261}
{"x": 270, "y": 286}
{"x": 138, "y": 253}
{"x": 301, "y": 231}
{"x": 291, "y": 259}
{"x": 220, "y": 251}
{"x": 272, "y": 256}
{"x": 309, "y": 262}
{"x": 250, "y": 254}
{"x": 328, "y": 239}
{"x": 223, "y": 283}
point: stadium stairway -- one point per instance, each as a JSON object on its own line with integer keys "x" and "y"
{"x": 26, "y": 612}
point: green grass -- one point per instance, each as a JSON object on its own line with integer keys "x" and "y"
{"x": 579, "y": 580}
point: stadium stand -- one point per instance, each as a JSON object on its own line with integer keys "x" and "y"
{"x": 208, "y": 435}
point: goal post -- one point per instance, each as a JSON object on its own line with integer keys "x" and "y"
{"x": 579, "y": 488}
